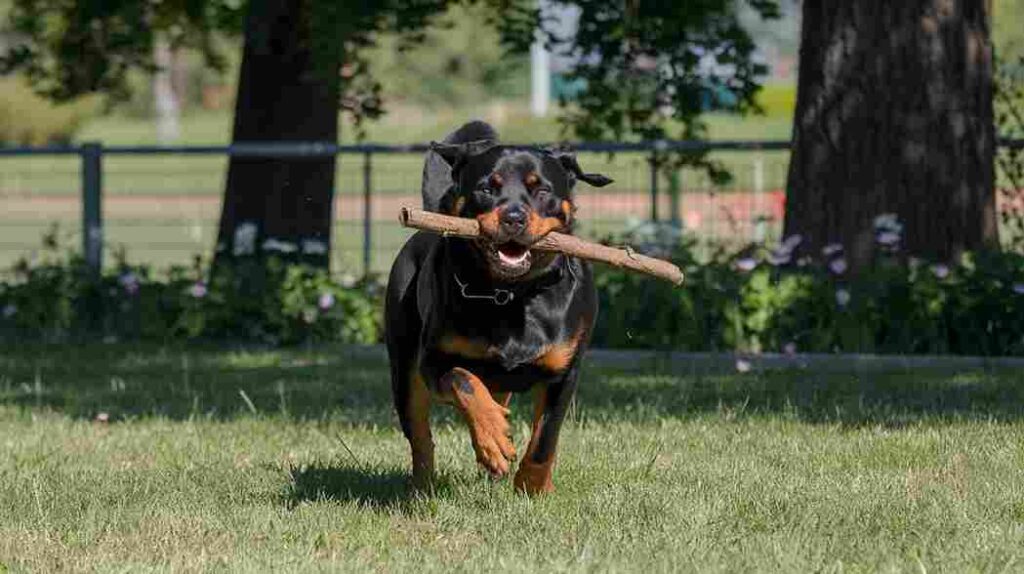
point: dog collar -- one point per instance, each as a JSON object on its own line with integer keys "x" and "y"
{"x": 505, "y": 296}
{"x": 500, "y": 296}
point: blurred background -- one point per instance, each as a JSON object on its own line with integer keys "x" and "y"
{"x": 163, "y": 209}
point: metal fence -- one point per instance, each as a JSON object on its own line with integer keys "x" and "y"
{"x": 161, "y": 205}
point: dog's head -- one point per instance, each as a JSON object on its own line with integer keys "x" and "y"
{"x": 518, "y": 195}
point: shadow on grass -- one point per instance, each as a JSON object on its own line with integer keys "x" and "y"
{"x": 130, "y": 381}
{"x": 370, "y": 487}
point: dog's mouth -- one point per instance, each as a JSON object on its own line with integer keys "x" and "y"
{"x": 508, "y": 260}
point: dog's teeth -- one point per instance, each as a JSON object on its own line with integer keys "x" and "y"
{"x": 513, "y": 260}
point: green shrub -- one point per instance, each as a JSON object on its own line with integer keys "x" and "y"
{"x": 27, "y": 119}
{"x": 56, "y": 298}
{"x": 764, "y": 300}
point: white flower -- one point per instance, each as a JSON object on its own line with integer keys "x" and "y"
{"x": 1018, "y": 288}
{"x": 746, "y": 264}
{"x": 831, "y": 249}
{"x": 940, "y": 271}
{"x": 742, "y": 365}
{"x": 314, "y": 247}
{"x": 888, "y": 222}
{"x": 789, "y": 348}
{"x": 102, "y": 417}
{"x": 842, "y": 297}
{"x": 198, "y": 290}
{"x": 326, "y": 301}
{"x": 272, "y": 244}
{"x": 245, "y": 239}
{"x": 838, "y": 266}
{"x": 10, "y": 310}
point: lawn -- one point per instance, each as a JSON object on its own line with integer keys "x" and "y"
{"x": 290, "y": 460}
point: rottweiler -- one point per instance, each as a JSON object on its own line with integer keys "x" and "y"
{"x": 469, "y": 322}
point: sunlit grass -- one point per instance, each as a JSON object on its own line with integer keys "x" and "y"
{"x": 290, "y": 460}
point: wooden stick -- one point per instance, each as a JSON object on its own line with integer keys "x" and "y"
{"x": 560, "y": 242}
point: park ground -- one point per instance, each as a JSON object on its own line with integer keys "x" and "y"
{"x": 132, "y": 458}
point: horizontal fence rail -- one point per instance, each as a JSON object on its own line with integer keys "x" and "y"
{"x": 162, "y": 202}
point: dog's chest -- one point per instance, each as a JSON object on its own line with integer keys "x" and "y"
{"x": 511, "y": 343}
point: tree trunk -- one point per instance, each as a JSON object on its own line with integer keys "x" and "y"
{"x": 894, "y": 115}
{"x": 281, "y": 206}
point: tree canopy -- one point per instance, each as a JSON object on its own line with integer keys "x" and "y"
{"x": 646, "y": 68}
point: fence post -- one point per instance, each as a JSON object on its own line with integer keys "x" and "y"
{"x": 760, "y": 227}
{"x": 367, "y": 211}
{"x": 675, "y": 186}
{"x": 92, "y": 205}
{"x": 653, "y": 161}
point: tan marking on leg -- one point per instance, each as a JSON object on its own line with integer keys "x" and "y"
{"x": 557, "y": 357}
{"x": 535, "y": 477}
{"x": 567, "y": 211}
{"x": 487, "y": 420}
{"x": 464, "y": 347}
{"x": 420, "y": 440}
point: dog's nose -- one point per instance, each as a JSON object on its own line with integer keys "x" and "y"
{"x": 513, "y": 218}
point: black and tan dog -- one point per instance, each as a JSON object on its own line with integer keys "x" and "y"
{"x": 471, "y": 321}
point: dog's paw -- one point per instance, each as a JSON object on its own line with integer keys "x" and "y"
{"x": 533, "y": 478}
{"x": 489, "y": 431}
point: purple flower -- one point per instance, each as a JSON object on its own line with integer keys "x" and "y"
{"x": 746, "y": 264}
{"x": 779, "y": 257}
{"x": 888, "y": 238}
{"x": 742, "y": 365}
{"x": 1018, "y": 288}
{"x": 940, "y": 271}
{"x": 842, "y": 297}
{"x": 198, "y": 290}
{"x": 792, "y": 242}
{"x": 831, "y": 249}
{"x": 838, "y": 266}
{"x": 129, "y": 282}
{"x": 326, "y": 301}
{"x": 789, "y": 348}
{"x": 10, "y": 310}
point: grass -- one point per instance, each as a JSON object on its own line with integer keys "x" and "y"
{"x": 290, "y": 460}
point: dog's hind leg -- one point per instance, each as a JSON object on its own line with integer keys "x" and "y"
{"x": 550, "y": 403}
{"x": 486, "y": 418}
{"x": 421, "y": 442}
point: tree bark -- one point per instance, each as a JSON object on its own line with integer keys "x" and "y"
{"x": 894, "y": 115}
{"x": 286, "y": 93}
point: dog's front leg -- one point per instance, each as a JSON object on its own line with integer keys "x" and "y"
{"x": 486, "y": 418}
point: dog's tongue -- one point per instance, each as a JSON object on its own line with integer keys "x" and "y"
{"x": 512, "y": 253}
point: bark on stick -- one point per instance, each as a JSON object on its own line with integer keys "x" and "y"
{"x": 560, "y": 242}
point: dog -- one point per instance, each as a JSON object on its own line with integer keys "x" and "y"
{"x": 471, "y": 321}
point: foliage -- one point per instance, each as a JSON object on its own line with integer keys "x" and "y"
{"x": 761, "y": 300}
{"x": 27, "y": 119}
{"x": 54, "y": 297}
{"x": 648, "y": 69}
{"x": 1008, "y": 102}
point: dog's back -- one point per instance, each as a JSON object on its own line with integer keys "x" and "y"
{"x": 437, "y": 174}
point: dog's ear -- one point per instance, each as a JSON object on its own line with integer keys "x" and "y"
{"x": 455, "y": 154}
{"x": 568, "y": 161}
